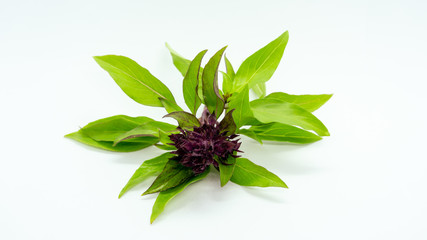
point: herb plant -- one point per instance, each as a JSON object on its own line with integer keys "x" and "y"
{"x": 210, "y": 141}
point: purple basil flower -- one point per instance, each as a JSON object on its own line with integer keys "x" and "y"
{"x": 204, "y": 145}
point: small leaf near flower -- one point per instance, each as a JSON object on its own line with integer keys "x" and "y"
{"x": 185, "y": 119}
{"x": 226, "y": 170}
{"x": 172, "y": 175}
{"x": 227, "y": 124}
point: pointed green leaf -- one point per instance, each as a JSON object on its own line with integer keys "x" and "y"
{"x": 227, "y": 123}
{"x": 308, "y": 102}
{"x": 229, "y": 68}
{"x": 164, "y": 197}
{"x": 261, "y": 65}
{"x": 247, "y": 173}
{"x": 172, "y": 175}
{"x": 142, "y": 131}
{"x": 108, "y": 145}
{"x": 170, "y": 106}
{"x": 227, "y": 83}
{"x": 179, "y": 61}
{"x": 165, "y": 140}
{"x": 108, "y": 129}
{"x": 191, "y": 82}
{"x": 226, "y": 170}
{"x": 283, "y": 133}
{"x": 137, "y": 82}
{"x": 185, "y": 119}
{"x": 260, "y": 90}
{"x": 271, "y": 110}
{"x": 182, "y": 65}
{"x": 213, "y": 99}
{"x": 251, "y": 134}
{"x": 147, "y": 169}
{"x": 240, "y": 102}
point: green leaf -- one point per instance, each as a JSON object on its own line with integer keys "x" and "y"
{"x": 185, "y": 119}
{"x": 308, "y": 102}
{"x": 182, "y": 65}
{"x": 227, "y": 78}
{"x": 247, "y": 173}
{"x": 172, "y": 175}
{"x": 229, "y": 68}
{"x": 191, "y": 82}
{"x": 110, "y": 128}
{"x": 261, "y": 65}
{"x": 283, "y": 133}
{"x": 180, "y": 62}
{"x": 213, "y": 99}
{"x": 164, "y": 138}
{"x": 142, "y": 131}
{"x": 271, "y": 110}
{"x": 148, "y": 168}
{"x": 260, "y": 90}
{"x": 80, "y": 136}
{"x": 251, "y": 134}
{"x": 240, "y": 102}
{"x": 165, "y": 147}
{"x": 226, "y": 170}
{"x": 164, "y": 197}
{"x": 227, "y": 83}
{"x": 137, "y": 82}
{"x": 227, "y": 123}
{"x": 170, "y": 106}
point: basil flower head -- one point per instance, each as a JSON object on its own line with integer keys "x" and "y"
{"x": 204, "y": 145}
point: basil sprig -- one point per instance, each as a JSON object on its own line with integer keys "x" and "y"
{"x": 199, "y": 143}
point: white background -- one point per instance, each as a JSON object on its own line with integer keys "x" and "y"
{"x": 366, "y": 181}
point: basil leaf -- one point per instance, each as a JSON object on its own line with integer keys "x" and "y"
{"x": 142, "y": 131}
{"x": 227, "y": 124}
{"x": 283, "y": 133}
{"x": 180, "y": 62}
{"x": 240, "y": 102}
{"x": 227, "y": 78}
{"x": 147, "y": 169}
{"x": 170, "y": 106}
{"x": 308, "y": 102}
{"x": 251, "y": 134}
{"x": 164, "y": 138}
{"x": 137, "y": 82}
{"x": 227, "y": 83}
{"x": 110, "y": 128}
{"x": 261, "y": 65}
{"x": 271, "y": 110}
{"x": 182, "y": 65}
{"x": 213, "y": 99}
{"x": 185, "y": 119}
{"x": 260, "y": 90}
{"x": 172, "y": 175}
{"x": 80, "y": 136}
{"x": 226, "y": 170}
{"x": 191, "y": 82}
{"x": 229, "y": 68}
{"x": 247, "y": 173}
{"x": 164, "y": 197}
